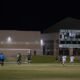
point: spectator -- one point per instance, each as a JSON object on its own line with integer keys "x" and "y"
{"x": 34, "y": 52}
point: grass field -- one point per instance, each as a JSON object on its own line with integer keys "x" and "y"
{"x": 40, "y": 71}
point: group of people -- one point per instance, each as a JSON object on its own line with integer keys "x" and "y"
{"x": 64, "y": 57}
{"x": 29, "y": 58}
{"x": 19, "y": 58}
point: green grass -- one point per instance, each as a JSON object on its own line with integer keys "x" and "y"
{"x": 35, "y": 59}
{"x": 40, "y": 71}
{"x": 42, "y": 59}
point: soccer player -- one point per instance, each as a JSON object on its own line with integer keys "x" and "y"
{"x": 63, "y": 59}
{"x": 19, "y": 56}
{"x": 71, "y": 59}
{"x": 29, "y": 57}
{"x": 2, "y": 58}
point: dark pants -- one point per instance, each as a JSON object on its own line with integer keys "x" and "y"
{"x": 19, "y": 61}
{"x": 29, "y": 60}
{"x": 2, "y": 62}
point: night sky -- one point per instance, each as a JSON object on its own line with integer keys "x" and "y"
{"x": 29, "y": 22}
{"x": 23, "y": 16}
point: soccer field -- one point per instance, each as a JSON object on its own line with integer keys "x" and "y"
{"x": 40, "y": 72}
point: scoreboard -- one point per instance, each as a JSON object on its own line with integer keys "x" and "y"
{"x": 69, "y": 38}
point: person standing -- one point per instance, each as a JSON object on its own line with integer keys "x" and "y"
{"x": 63, "y": 59}
{"x": 19, "y": 56}
{"x": 71, "y": 59}
{"x": 2, "y": 58}
{"x": 29, "y": 57}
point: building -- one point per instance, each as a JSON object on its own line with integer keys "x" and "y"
{"x": 13, "y": 42}
{"x": 48, "y": 43}
{"x": 51, "y": 38}
{"x": 50, "y": 46}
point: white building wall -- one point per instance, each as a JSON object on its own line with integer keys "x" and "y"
{"x": 21, "y": 40}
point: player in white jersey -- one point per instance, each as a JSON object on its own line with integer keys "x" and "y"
{"x": 63, "y": 59}
{"x": 71, "y": 59}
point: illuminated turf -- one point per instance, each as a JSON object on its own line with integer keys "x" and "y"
{"x": 40, "y": 72}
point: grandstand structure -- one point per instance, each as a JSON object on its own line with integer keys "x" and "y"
{"x": 54, "y": 41}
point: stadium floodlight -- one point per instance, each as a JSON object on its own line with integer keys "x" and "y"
{"x": 42, "y": 42}
{"x": 9, "y": 39}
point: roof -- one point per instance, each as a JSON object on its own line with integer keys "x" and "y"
{"x": 67, "y": 23}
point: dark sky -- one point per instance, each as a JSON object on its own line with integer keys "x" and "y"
{"x": 32, "y": 16}
{"x": 38, "y": 23}
{"x": 28, "y": 22}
